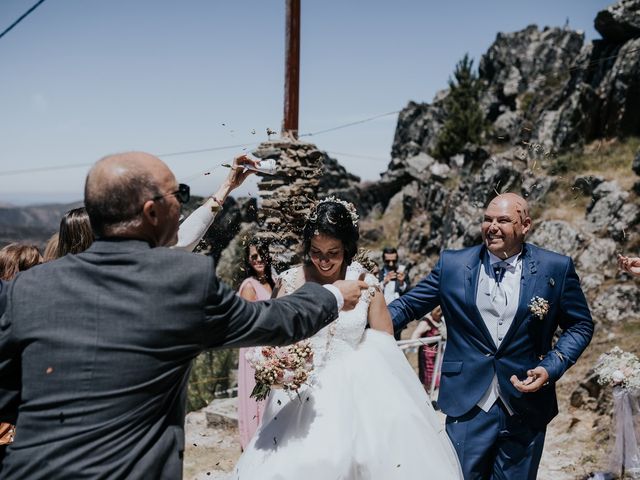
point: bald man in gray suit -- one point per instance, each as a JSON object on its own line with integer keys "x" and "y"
{"x": 96, "y": 348}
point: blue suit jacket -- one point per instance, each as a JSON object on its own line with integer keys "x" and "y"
{"x": 471, "y": 357}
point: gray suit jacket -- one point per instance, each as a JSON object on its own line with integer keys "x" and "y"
{"x": 96, "y": 349}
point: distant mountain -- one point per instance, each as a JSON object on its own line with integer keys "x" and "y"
{"x": 32, "y": 224}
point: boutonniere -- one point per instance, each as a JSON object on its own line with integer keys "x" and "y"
{"x": 539, "y": 307}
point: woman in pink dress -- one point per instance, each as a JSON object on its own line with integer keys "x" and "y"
{"x": 257, "y": 286}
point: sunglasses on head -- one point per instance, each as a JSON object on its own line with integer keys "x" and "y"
{"x": 183, "y": 194}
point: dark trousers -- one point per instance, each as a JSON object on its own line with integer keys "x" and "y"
{"x": 495, "y": 445}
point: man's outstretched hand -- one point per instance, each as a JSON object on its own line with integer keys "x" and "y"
{"x": 536, "y": 379}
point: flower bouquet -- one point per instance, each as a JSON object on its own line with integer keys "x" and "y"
{"x": 618, "y": 368}
{"x": 280, "y": 367}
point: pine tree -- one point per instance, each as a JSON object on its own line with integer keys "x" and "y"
{"x": 465, "y": 120}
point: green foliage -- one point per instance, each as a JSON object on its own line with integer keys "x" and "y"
{"x": 210, "y": 377}
{"x": 465, "y": 121}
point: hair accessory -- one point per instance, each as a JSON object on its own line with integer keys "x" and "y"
{"x": 351, "y": 209}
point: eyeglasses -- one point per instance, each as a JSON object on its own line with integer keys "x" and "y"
{"x": 183, "y": 194}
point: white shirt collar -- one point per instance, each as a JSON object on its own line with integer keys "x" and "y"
{"x": 512, "y": 260}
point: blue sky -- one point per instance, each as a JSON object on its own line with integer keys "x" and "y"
{"x": 84, "y": 78}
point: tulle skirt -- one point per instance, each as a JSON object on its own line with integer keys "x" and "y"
{"x": 366, "y": 417}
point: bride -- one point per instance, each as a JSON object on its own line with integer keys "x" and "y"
{"x": 364, "y": 414}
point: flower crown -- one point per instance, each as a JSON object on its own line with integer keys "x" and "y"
{"x": 351, "y": 209}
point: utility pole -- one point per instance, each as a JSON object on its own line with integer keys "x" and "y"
{"x": 292, "y": 70}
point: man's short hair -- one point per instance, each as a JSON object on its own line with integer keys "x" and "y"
{"x": 118, "y": 204}
{"x": 389, "y": 250}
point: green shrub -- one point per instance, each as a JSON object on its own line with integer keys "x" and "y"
{"x": 465, "y": 121}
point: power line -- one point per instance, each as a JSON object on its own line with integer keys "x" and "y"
{"x": 24, "y": 15}
{"x": 78, "y": 165}
{"x": 210, "y": 149}
{"x": 355, "y": 155}
{"x": 45, "y": 169}
{"x": 190, "y": 152}
{"x": 586, "y": 63}
{"x": 358, "y": 122}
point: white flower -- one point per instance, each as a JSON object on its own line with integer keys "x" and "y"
{"x": 617, "y": 376}
{"x": 618, "y": 368}
{"x": 539, "y": 307}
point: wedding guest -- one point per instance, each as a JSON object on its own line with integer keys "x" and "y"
{"x": 431, "y": 325}
{"x": 258, "y": 285}
{"x": 392, "y": 275}
{"x": 394, "y": 279}
{"x": 630, "y": 265}
{"x": 14, "y": 258}
{"x": 51, "y": 249}
{"x": 96, "y": 348}
{"x": 75, "y": 234}
{"x": 17, "y": 257}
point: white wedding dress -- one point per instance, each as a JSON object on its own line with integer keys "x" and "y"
{"x": 364, "y": 415}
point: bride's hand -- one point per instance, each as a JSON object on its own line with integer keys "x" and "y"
{"x": 351, "y": 291}
{"x": 379, "y": 316}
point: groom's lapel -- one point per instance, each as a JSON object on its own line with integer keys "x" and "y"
{"x": 472, "y": 273}
{"x": 527, "y": 287}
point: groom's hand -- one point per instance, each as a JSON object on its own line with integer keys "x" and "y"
{"x": 536, "y": 379}
{"x": 351, "y": 291}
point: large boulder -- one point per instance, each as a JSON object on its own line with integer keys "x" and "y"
{"x": 610, "y": 212}
{"x": 599, "y": 257}
{"x": 497, "y": 175}
{"x": 417, "y": 128}
{"x": 619, "y": 22}
{"x": 619, "y": 94}
{"x": 521, "y": 65}
{"x": 617, "y": 303}
{"x": 519, "y": 61}
{"x": 558, "y": 236}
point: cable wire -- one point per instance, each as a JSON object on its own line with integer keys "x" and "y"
{"x": 24, "y": 15}
{"x": 358, "y": 122}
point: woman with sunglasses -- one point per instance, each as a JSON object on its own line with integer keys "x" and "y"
{"x": 258, "y": 285}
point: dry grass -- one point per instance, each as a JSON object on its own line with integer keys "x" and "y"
{"x": 610, "y": 159}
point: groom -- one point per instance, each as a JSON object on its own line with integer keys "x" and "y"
{"x": 502, "y": 303}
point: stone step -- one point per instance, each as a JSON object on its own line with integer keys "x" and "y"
{"x": 222, "y": 412}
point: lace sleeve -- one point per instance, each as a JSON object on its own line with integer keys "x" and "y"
{"x": 289, "y": 280}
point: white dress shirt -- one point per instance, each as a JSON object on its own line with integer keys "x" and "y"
{"x": 498, "y": 326}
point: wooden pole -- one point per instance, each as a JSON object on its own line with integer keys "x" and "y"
{"x": 292, "y": 70}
